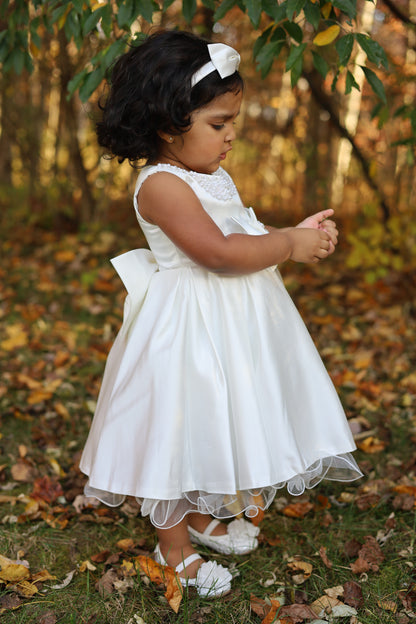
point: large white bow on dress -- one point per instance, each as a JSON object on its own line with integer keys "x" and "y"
{"x": 224, "y": 59}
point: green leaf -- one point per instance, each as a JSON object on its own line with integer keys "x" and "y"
{"x": 261, "y": 41}
{"x": 78, "y": 6}
{"x": 254, "y": 9}
{"x": 375, "y": 83}
{"x": 57, "y": 14}
{"x": 166, "y": 4}
{"x": 76, "y": 81}
{"x": 312, "y": 13}
{"x": 344, "y": 47}
{"x": 296, "y": 71}
{"x": 92, "y": 20}
{"x": 350, "y": 82}
{"x": 293, "y": 7}
{"x": 374, "y": 51}
{"x": 279, "y": 34}
{"x": 223, "y": 9}
{"x": 349, "y": 7}
{"x": 125, "y": 16}
{"x": 275, "y": 10}
{"x": 266, "y": 56}
{"x": 320, "y": 64}
{"x": 296, "y": 52}
{"x": 188, "y": 9}
{"x": 106, "y": 20}
{"x": 90, "y": 84}
{"x": 72, "y": 28}
{"x": 294, "y": 31}
{"x": 210, "y": 4}
{"x": 145, "y": 8}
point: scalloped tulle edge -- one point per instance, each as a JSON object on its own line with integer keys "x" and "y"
{"x": 167, "y": 513}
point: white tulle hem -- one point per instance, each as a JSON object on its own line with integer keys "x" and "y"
{"x": 167, "y": 513}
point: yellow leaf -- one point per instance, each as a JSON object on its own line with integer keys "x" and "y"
{"x": 12, "y": 572}
{"x": 326, "y": 10}
{"x": 17, "y": 337}
{"x": 87, "y": 565}
{"x": 371, "y": 445}
{"x": 126, "y": 544}
{"x": 327, "y": 36}
{"x": 26, "y": 589}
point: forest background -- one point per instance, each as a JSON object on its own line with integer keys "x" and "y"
{"x": 315, "y": 131}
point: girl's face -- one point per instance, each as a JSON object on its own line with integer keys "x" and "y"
{"x": 205, "y": 145}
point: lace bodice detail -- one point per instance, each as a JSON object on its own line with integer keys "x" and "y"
{"x": 219, "y": 198}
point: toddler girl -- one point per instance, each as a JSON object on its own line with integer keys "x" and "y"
{"x": 213, "y": 395}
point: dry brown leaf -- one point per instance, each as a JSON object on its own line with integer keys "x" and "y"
{"x": 323, "y": 555}
{"x": 101, "y": 556}
{"x": 259, "y": 606}
{"x": 105, "y": 585}
{"x": 359, "y": 566}
{"x": 48, "y": 618}
{"x": 297, "y": 613}
{"x": 23, "y": 471}
{"x": 335, "y": 592}
{"x": 9, "y": 602}
{"x": 353, "y": 594}
{"x": 46, "y": 489}
{"x": 324, "y": 605}
{"x": 300, "y": 570}
{"x": 297, "y": 510}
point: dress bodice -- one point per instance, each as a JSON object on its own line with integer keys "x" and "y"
{"x": 219, "y": 198}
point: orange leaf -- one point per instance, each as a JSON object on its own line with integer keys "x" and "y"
{"x": 405, "y": 489}
{"x": 271, "y": 614}
{"x": 371, "y": 445}
{"x": 126, "y": 544}
{"x": 297, "y": 510}
{"x": 163, "y": 575}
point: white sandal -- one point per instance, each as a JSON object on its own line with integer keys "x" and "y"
{"x": 240, "y": 539}
{"x": 212, "y": 580}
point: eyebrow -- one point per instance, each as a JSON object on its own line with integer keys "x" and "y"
{"x": 224, "y": 116}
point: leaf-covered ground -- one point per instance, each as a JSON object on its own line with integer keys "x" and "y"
{"x": 342, "y": 553}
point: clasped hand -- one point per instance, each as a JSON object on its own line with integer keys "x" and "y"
{"x": 317, "y": 247}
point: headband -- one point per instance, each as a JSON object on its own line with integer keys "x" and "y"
{"x": 224, "y": 59}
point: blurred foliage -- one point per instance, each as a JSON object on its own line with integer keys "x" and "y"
{"x": 379, "y": 249}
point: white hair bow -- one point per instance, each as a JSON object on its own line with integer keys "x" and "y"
{"x": 224, "y": 59}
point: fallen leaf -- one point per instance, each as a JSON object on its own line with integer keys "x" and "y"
{"x": 105, "y": 585}
{"x": 101, "y": 556}
{"x": 297, "y": 613}
{"x": 300, "y": 570}
{"x": 11, "y": 572}
{"x": 259, "y": 606}
{"x": 387, "y": 605}
{"x": 126, "y": 544}
{"x": 23, "y": 471}
{"x": 87, "y": 565}
{"x": 297, "y": 510}
{"x": 323, "y": 555}
{"x": 48, "y": 618}
{"x": 353, "y": 594}
{"x": 66, "y": 580}
{"x": 46, "y": 489}
{"x": 270, "y": 617}
{"x": 371, "y": 445}
{"x": 162, "y": 575}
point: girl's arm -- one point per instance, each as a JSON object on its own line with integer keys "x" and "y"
{"x": 167, "y": 201}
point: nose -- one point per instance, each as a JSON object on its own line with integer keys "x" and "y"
{"x": 231, "y": 134}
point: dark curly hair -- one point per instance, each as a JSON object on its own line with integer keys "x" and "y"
{"x": 150, "y": 90}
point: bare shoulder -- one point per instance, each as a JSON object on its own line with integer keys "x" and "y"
{"x": 165, "y": 191}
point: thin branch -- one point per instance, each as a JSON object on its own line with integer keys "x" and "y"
{"x": 399, "y": 13}
{"x": 324, "y": 101}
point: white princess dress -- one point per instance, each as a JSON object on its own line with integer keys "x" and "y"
{"x": 214, "y": 395}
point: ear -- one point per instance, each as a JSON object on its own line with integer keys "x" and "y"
{"x": 165, "y": 136}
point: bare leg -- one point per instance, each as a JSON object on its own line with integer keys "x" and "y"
{"x": 199, "y": 522}
{"x": 175, "y": 546}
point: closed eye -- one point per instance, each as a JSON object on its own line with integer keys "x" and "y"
{"x": 218, "y": 126}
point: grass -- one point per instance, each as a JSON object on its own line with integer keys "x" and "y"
{"x": 66, "y": 330}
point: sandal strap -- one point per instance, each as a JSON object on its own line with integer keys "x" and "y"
{"x": 209, "y": 529}
{"x": 179, "y": 568}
